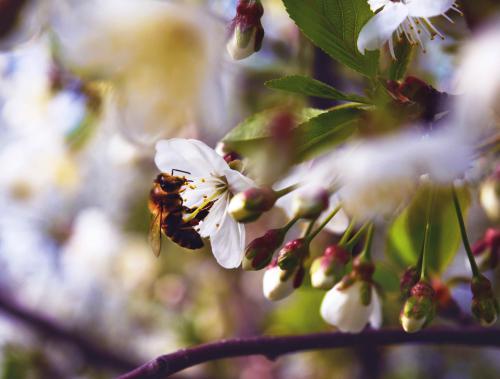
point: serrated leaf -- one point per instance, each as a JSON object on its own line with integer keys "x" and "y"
{"x": 404, "y": 52}
{"x": 312, "y": 87}
{"x": 326, "y": 130}
{"x": 316, "y": 130}
{"x": 334, "y": 26}
{"x": 406, "y": 234}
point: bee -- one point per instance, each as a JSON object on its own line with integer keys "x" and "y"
{"x": 166, "y": 206}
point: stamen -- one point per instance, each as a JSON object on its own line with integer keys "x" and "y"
{"x": 448, "y": 18}
{"x": 391, "y": 48}
{"x": 214, "y": 196}
{"x": 429, "y": 24}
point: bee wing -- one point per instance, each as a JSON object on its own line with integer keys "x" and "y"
{"x": 155, "y": 233}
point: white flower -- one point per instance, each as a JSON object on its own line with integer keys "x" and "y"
{"x": 162, "y": 59}
{"x": 212, "y": 181}
{"x": 377, "y": 177}
{"x": 477, "y": 110}
{"x": 342, "y": 308}
{"x": 273, "y": 287}
{"x": 312, "y": 179}
{"x": 405, "y": 18}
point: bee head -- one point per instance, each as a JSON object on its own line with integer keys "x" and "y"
{"x": 170, "y": 183}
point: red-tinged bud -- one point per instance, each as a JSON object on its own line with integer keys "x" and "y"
{"x": 447, "y": 306}
{"x": 231, "y": 156}
{"x": 328, "y": 269}
{"x": 246, "y": 31}
{"x": 362, "y": 269}
{"x": 310, "y": 205}
{"x": 298, "y": 278}
{"x": 277, "y": 283}
{"x": 419, "y": 309}
{"x": 247, "y": 206}
{"x": 259, "y": 252}
{"x": 408, "y": 280}
{"x": 484, "y": 305}
{"x": 292, "y": 254}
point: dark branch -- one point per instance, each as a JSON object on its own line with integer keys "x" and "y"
{"x": 273, "y": 347}
{"x": 49, "y": 328}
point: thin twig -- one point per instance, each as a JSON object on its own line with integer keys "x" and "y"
{"x": 94, "y": 353}
{"x": 273, "y": 347}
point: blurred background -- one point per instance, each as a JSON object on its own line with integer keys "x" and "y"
{"x": 82, "y": 295}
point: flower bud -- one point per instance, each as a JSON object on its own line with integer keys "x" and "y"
{"x": 408, "y": 280}
{"x": 247, "y": 206}
{"x": 292, "y": 254}
{"x": 328, "y": 269}
{"x": 246, "y": 30}
{"x": 259, "y": 252}
{"x": 489, "y": 196}
{"x": 419, "y": 308}
{"x": 310, "y": 205}
{"x": 484, "y": 305}
{"x": 277, "y": 283}
{"x": 362, "y": 270}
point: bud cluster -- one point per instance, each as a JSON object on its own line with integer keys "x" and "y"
{"x": 259, "y": 252}
{"x": 484, "y": 305}
{"x": 419, "y": 308}
{"x": 246, "y": 31}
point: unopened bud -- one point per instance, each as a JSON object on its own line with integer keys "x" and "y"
{"x": 246, "y": 30}
{"x": 408, "y": 280}
{"x": 489, "y": 196}
{"x": 247, "y": 206}
{"x": 419, "y": 308}
{"x": 362, "y": 270}
{"x": 328, "y": 269}
{"x": 484, "y": 305}
{"x": 259, "y": 252}
{"x": 277, "y": 283}
{"x": 292, "y": 254}
{"x": 310, "y": 205}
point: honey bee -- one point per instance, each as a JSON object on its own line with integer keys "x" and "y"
{"x": 166, "y": 206}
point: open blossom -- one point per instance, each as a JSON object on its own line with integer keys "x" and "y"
{"x": 343, "y": 308}
{"x": 161, "y": 58}
{"x": 369, "y": 189}
{"x": 405, "y": 18}
{"x": 211, "y": 181}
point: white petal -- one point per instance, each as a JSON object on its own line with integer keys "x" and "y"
{"x": 377, "y": 4}
{"x": 228, "y": 243}
{"x": 215, "y": 216}
{"x": 189, "y": 155}
{"x": 199, "y": 190}
{"x": 376, "y": 314}
{"x": 237, "y": 181}
{"x": 272, "y": 286}
{"x": 381, "y": 26}
{"x": 428, "y": 8}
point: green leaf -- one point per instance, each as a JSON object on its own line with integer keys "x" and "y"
{"x": 312, "y": 87}
{"x": 326, "y": 130}
{"x": 316, "y": 130}
{"x": 406, "y": 234}
{"x": 404, "y": 52}
{"x": 334, "y": 26}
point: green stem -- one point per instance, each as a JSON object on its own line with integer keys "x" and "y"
{"x": 310, "y": 227}
{"x": 347, "y": 232}
{"x": 290, "y": 223}
{"x": 286, "y": 190}
{"x": 323, "y": 224}
{"x": 423, "y": 258}
{"x": 465, "y": 239}
{"x": 355, "y": 238}
{"x": 366, "y": 254}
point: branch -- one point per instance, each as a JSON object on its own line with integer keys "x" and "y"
{"x": 94, "y": 353}
{"x": 273, "y": 347}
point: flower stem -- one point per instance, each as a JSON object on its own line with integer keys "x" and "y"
{"x": 310, "y": 227}
{"x": 366, "y": 254}
{"x": 323, "y": 224}
{"x": 355, "y": 238}
{"x": 422, "y": 263}
{"x": 463, "y": 232}
{"x": 286, "y": 190}
{"x": 347, "y": 232}
{"x": 289, "y": 224}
